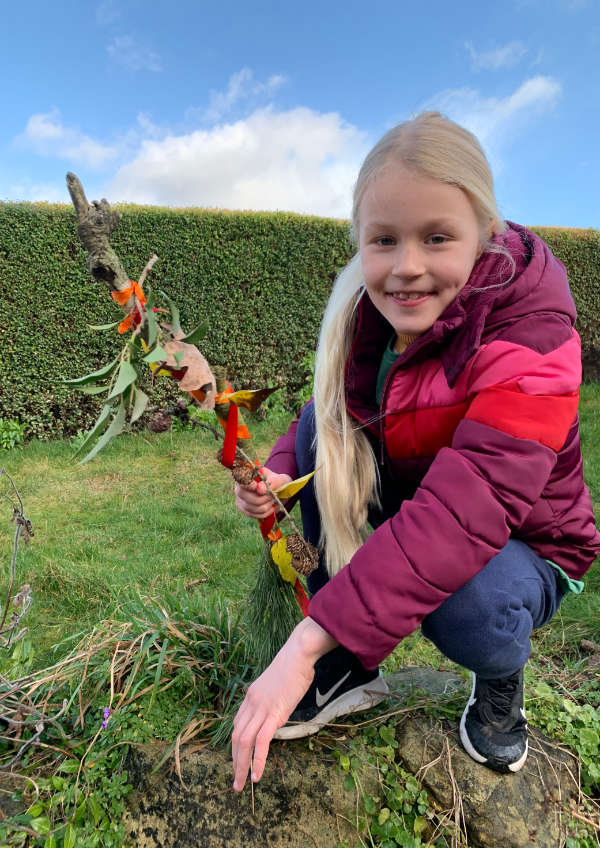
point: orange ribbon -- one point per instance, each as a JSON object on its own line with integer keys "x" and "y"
{"x": 121, "y": 297}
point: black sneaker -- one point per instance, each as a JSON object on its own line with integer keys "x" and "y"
{"x": 493, "y": 728}
{"x": 341, "y": 686}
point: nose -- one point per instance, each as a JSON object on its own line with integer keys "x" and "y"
{"x": 408, "y": 261}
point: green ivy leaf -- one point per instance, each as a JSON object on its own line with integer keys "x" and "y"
{"x": 349, "y": 784}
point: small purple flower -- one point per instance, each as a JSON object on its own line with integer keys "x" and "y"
{"x": 106, "y": 715}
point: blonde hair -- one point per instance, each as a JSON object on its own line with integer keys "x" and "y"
{"x": 347, "y": 481}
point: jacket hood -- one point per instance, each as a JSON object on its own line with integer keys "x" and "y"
{"x": 538, "y": 283}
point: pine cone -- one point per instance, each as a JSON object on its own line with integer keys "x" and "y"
{"x": 159, "y": 422}
{"x": 304, "y": 555}
{"x": 242, "y": 471}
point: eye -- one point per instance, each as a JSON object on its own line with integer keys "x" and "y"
{"x": 385, "y": 241}
{"x": 437, "y": 239}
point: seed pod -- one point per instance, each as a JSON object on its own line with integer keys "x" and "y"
{"x": 304, "y": 555}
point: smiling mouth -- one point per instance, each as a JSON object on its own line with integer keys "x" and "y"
{"x": 409, "y": 295}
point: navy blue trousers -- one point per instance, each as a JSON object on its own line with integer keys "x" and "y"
{"x": 485, "y": 625}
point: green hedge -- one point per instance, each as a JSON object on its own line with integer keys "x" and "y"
{"x": 260, "y": 280}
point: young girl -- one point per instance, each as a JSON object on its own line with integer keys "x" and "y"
{"x": 445, "y": 417}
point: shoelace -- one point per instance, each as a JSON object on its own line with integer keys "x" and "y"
{"x": 495, "y": 697}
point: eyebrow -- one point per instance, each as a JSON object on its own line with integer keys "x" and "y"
{"x": 432, "y": 224}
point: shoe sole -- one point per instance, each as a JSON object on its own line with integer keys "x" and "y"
{"x": 466, "y": 742}
{"x": 354, "y": 701}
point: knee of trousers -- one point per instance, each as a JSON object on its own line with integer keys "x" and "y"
{"x": 481, "y": 632}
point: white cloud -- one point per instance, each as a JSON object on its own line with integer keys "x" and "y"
{"x": 494, "y": 119}
{"x": 133, "y": 55}
{"x": 241, "y": 86}
{"x": 506, "y": 56}
{"x": 48, "y": 136}
{"x": 107, "y": 12}
{"x": 298, "y": 160}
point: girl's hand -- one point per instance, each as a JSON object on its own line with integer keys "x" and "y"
{"x": 271, "y": 699}
{"x": 254, "y": 500}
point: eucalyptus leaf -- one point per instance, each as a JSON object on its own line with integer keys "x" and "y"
{"x": 175, "y": 320}
{"x": 100, "y": 421}
{"x": 127, "y": 376}
{"x": 156, "y": 355}
{"x": 94, "y": 376}
{"x": 114, "y": 429}
{"x": 152, "y": 325}
{"x": 139, "y": 405}
{"x": 197, "y": 334}
{"x": 92, "y": 390}
{"x": 104, "y": 326}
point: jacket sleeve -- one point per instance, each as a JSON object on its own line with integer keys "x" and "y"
{"x": 476, "y": 493}
{"x": 282, "y": 458}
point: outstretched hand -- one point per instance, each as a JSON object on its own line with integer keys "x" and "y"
{"x": 271, "y": 699}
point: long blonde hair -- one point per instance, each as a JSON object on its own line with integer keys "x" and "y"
{"x": 347, "y": 479}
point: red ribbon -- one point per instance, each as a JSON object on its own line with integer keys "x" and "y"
{"x": 301, "y": 598}
{"x": 230, "y": 440}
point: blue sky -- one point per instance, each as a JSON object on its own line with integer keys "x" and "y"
{"x": 272, "y": 105}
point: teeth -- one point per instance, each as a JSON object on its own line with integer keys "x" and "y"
{"x": 409, "y": 296}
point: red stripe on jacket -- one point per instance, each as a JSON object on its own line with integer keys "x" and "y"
{"x": 543, "y": 418}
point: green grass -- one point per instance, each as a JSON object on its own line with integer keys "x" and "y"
{"x": 152, "y": 512}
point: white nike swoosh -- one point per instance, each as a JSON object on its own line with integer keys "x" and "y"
{"x": 322, "y": 699}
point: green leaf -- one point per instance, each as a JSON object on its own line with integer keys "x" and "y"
{"x": 127, "y": 376}
{"x": 70, "y": 836}
{"x": 139, "y": 405}
{"x": 94, "y": 376}
{"x": 383, "y": 816}
{"x": 175, "y": 320}
{"x": 41, "y": 825}
{"x": 114, "y": 429}
{"x": 179, "y": 356}
{"x": 92, "y": 390}
{"x": 197, "y": 334}
{"x": 349, "y": 784}
{"x": 156, "y": 355}
{"x": 345, "y": 762}
{"x": 152, "y": 324}
{"x": 69, "y": 766}
{"x": 35, "y": 811}
{"x": 100, "y": 421}
{"x": 95, "y": 809}
{"x": 104, "y": 326}
{"x": 80, "y": 812}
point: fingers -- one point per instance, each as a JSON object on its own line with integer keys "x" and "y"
{"x": 253, "y": 500}
{"x": 252, "y": 735}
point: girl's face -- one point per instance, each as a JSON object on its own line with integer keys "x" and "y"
{"x": 419, "y": 239}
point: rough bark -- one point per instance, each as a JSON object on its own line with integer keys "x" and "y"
{"x": 95, "y": 223}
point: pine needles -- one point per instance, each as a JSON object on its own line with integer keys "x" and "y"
{"x": 271, "y": 614}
